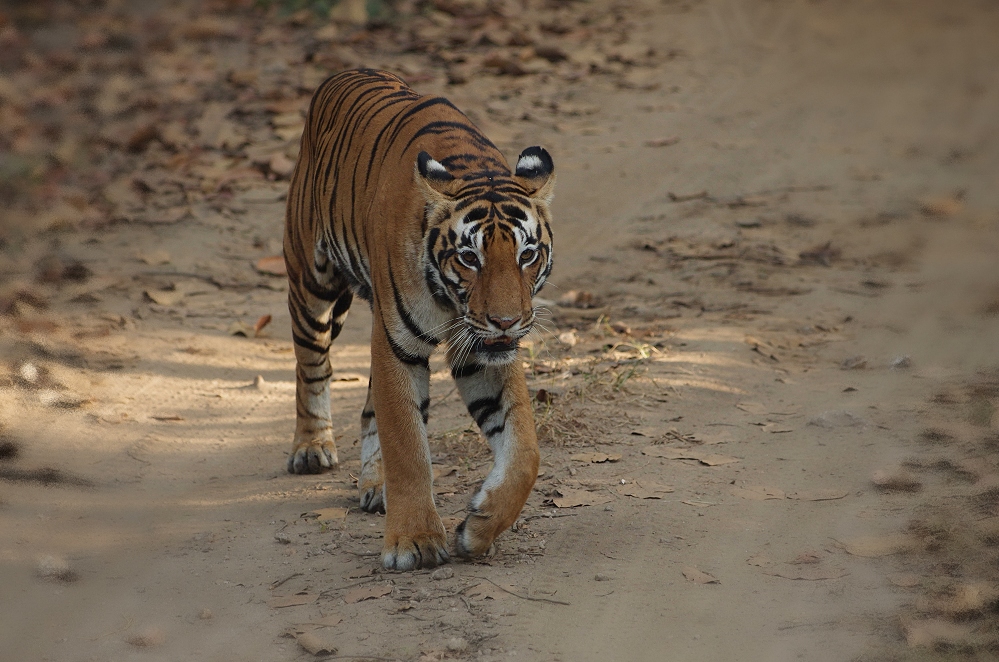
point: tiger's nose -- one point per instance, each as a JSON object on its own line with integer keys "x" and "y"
{"x": 503, "y": 323}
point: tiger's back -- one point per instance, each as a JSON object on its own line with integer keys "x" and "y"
{"x": 364, "y": 131}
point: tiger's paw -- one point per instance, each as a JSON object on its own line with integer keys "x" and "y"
{"x": 312, "y": 457}
{"x": 411, "y": 552}
{"x": 371, "y": 486}
{"x": 372, "y": 496}
{"x": 475, "y": 535}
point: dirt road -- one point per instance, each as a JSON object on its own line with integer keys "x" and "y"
{"x": 766, "y": 393}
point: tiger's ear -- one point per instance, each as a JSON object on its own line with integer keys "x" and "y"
{"x": 536, "y": 172}
{"x": 434, "y": 180}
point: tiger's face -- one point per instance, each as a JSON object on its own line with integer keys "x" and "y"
{"x": 488, "y": 250}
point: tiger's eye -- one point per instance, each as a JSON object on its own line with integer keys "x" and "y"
{"x": 469, "y": 259}
{"x": 527, "y": 256}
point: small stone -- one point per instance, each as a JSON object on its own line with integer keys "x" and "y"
{"x": 54, "y": 568}
{"x": 29, "y": 372}
{"x": 602, "y": 578}
{"x": 457, "y": 644}
{"x": 442, "y": 573}
{"x": 568, "y": 338}
{"x": 282, "y": 538}
{"x": 206, "y": 614}
{"x": 900, "y": 363}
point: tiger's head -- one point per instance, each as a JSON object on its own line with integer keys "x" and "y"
{"x": 488, "y": 247}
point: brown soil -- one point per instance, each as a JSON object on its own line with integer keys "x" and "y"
{"x": 775, "y": 308}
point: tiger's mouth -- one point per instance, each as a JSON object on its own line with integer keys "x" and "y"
{"x": 497, "y": 344}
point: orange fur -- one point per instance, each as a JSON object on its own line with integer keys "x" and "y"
{"x": 450, "y": 250}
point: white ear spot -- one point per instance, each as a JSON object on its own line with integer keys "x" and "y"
{"x": 529, "y": 162}
{"x": 435, "y": 166}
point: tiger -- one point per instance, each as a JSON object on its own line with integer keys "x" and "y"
{"x": 397, "y": 198}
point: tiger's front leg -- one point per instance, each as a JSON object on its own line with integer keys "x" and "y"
{"x": 497, "y": 398}
{"x": 400, "y": 390}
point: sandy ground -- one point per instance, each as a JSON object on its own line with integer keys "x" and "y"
{"x": 788, "y": 246}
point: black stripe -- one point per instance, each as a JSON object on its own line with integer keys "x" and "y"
{"x": 320, "y": 378}
{"x": 493, "y": 431}
{"x": 367, "y": 415}
{"x": 342, "y": 304}
{"x": 317, "y": 290}
{"x": 308, "y": 344}
{"x": 425, "y": 410}
{"x": 483, "y": 408}
{"x": 403, "y": 355}
{"x": 411, "y": 326}
{"x": 303, "y": 315}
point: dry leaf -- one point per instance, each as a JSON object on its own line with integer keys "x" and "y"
{"x": 331, "y": 514}
{"x": 261, "y": 323}
{"x": 698, "y": 577}
{"x": 817, "y": 495}
{"x": 316, "y": 643}
{"x": 876, "y": 546}
{"x": 272, "y": 265}
{"x": 164, "y": 297}
{"x": 670, "y": 453}
{"x": 367, "y": 593}
{"x": 282, "y": 601}
{"x": 595, "y": 458}
{"x": 757, "y": 492}
{"x": 644, "y": 490}
{"x": 572, "y": 498}
{"x": 757, "y": 408}
{"x": 240, "y": 328}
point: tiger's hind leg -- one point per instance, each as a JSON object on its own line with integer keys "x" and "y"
{"x": 371, "y": 484}
{"x": 318, "y": 300}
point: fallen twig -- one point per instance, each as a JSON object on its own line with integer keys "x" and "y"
{"x": 518, "y": 595}
{"x": 277, "y": 583}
